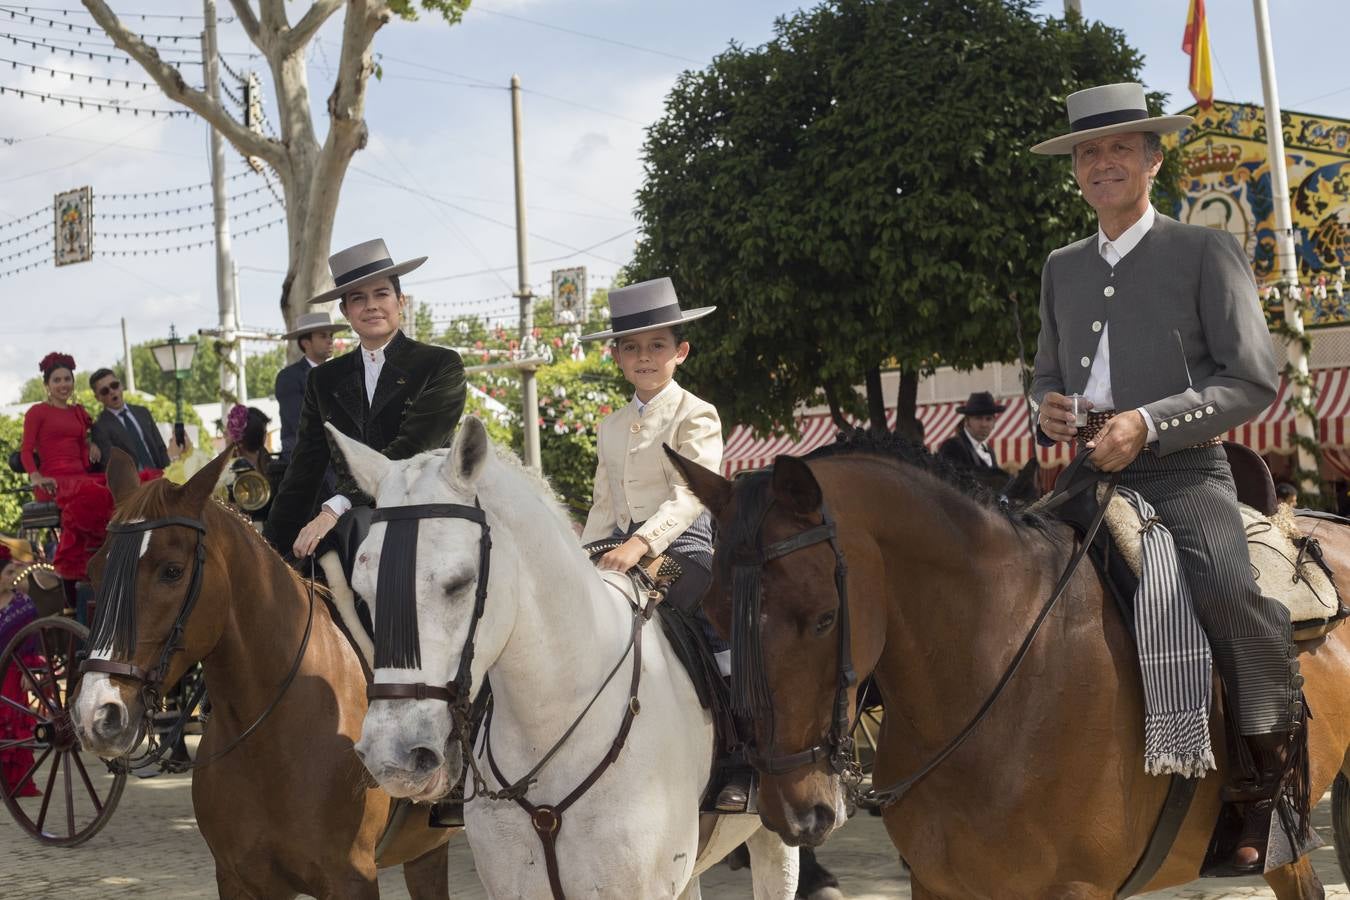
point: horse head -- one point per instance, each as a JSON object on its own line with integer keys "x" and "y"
{"x": 774, "y": 594}
{"x": 147, "y": 628}
{"x": 423, "y": 569}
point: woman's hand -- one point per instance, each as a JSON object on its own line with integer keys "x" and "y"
{"x": 314, "y": 532}
{"x": 626, "y": 555}
{"x": 94, "y": 453}
{"x": 42, "y": 481}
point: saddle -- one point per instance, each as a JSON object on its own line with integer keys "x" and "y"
{"x": 1287, "y": 565}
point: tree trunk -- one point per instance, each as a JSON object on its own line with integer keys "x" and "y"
{"x": 836, "y": 414}
{"x": 907, "y": 422}
{"x": 876, "y": 402}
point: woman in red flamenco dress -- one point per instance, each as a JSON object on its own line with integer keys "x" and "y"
{"x": 16, "y": 611}
{"x": 58, "y": 455}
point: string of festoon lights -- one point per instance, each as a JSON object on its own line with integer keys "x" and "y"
{"x": 271, "y": 204}
{"x": 174, "y": 55}
{"x": 18, "y": 237}
{"x": 17, "y": 14}
{"x": 27, "y": 217}
{"x": 164, "y": 192}
{"x": 156, "y": 213}
{"x": 79, "y": 10}
{"x": 180, "y": 248}
{"x": 78, "y": 76}
{"x": 101, "y": 104}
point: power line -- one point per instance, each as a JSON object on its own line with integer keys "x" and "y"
{"x": 593, "y": 37}
{"x": 551, "y": 259}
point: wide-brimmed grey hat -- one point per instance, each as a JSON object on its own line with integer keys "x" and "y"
{"x": 308, "y": 323}
{"x": 360, "y": 265}
{"x": 644, "y": 306}
{"x": 1108, "y": 109}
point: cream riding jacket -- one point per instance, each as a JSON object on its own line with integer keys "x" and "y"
{"x": 635, "y": 482}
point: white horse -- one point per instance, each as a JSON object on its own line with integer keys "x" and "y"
{"x": 551, "y": 631}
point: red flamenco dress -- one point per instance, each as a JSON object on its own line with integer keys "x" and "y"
{"x": 16, "y": 726}
{"x": 60, "y": 437}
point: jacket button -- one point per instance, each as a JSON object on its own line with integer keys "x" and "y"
{"x": 636, "y": 427}
{"x": 1085, "y": 362}
{"x": 1209, "y": 410}
{"x": 1096, "y": 326}
{"x": 1162, "y": 426}
{"x": 1176, "y": 422}
{"x": 1109, "y": 291}
{"x": 1188, "y": 417}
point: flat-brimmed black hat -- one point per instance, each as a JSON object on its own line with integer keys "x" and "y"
{"x": 981, "y": 403}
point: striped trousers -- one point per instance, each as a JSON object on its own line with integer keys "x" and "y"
{"x": 1249, "y": 634}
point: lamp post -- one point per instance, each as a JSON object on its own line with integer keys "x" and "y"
{"x": 175, "y": 358}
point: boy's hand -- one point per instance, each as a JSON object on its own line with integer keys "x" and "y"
{"x": 626, "y": 555}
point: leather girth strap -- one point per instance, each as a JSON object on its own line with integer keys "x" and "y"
{"x": 547, "y": 819}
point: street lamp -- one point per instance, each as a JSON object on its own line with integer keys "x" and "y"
{"x": 175, "y": 359}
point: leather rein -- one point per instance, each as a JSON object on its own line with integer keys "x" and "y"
{"x": 836, "y": 745}
{"x": 152, "y": 680}
{"x": 458, "y": 694}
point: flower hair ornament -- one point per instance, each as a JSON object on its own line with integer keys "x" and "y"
{"x": 236, "y": 422}
{"x": 55, "y": 360}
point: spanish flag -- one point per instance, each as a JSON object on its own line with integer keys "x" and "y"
{"x": 1195, "y": 43}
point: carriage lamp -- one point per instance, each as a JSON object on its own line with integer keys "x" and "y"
{"x": 175, "y": 358}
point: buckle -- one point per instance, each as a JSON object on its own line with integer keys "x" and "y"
{"x": 545, "y": 820}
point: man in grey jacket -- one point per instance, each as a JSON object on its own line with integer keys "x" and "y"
{"x": 1157, "y": 324}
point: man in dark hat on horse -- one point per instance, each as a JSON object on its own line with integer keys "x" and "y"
{"x": 1157, "y": 324}
{"x": 391, "y": 393}
{"x": 969, "y": 448}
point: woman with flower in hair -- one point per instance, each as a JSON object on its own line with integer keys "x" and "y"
{"x": 58, "y": 454}
{"x": 246, "y": 430}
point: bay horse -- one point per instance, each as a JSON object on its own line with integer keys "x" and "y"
{"x": 1048, "y": 797}
{"x": 577, "y": 681}
{"x": 288, "y": 808}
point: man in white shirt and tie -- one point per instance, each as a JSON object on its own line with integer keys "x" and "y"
{"x": 126, "y": 426}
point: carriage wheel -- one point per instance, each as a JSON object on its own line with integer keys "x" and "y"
{"x": 78, "y": 792}
{"x": 866, "y": 731}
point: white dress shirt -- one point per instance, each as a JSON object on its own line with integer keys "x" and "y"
{"x": 373, "y": 362}
{"x": 980, "y": 447}
{"x": 1098, "y": 389}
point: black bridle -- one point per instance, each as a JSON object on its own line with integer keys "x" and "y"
{"x": 750, "y": 691}
{"x": 749, "y": 679}
{"x": 397, "y": 644}
{"x": 114, "y": 630}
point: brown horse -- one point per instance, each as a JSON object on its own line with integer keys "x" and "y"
{"x": 288, "y": 809}
{"x": 1048, "y": 797}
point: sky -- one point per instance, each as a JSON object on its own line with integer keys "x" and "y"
{"x": 436, "y": 177}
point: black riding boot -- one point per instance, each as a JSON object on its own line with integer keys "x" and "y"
{"x": 1276, "y": 757}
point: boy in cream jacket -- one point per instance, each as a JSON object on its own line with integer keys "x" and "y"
{"x": 638, "y": 494}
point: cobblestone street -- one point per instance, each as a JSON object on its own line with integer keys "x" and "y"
{"x": 151, "y": 848}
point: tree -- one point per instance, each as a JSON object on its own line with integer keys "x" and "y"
{"x": 261, "y": 371}
{"x": 310, "y": 172}
{"x": 857, "y": 193}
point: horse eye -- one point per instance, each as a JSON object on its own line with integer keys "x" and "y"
{"x": 823, "y": 623}
{"x": 171, "y": 572}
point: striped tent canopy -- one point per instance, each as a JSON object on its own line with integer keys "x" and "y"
{"x": 1270, "y": 432}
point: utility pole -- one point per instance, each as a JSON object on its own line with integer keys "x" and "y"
{"x": 129, "y": 378}
{"x": 1286, "y": 263}
{"x": 1073, "y": 6}
{"x": 225, "y": 278}
{"x": 529, "y": 391}
{"x": 238, "y": 341}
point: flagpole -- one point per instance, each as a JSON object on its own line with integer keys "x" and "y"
{"x": 1285, "y": 261}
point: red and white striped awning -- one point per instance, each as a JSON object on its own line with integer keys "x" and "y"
{"x": 1269, "y": 432}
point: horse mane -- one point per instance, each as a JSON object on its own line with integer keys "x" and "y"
{"x": 894, "y": 446}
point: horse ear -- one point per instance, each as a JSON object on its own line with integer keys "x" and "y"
{"x": 712, "y": 490}
{"x": 468, "y": 454}
{"x": 367, "y": 466}
{"x": 795, "y": 485}
{"x": 198, "y": 489}
{"x": 122, "y": 477}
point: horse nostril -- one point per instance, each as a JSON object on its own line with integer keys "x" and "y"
{"x": 108, "y": 719}
{"x": 822, "y": 818}
{"x": 425, "y": 760}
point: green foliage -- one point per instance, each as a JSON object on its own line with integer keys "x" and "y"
{"x": 13, "y": 493}
{"x": 450, "y": 10}
{"x": 423, "y": 328}
{"x": 260, "y": 371}
{"x": 858, "y": 192}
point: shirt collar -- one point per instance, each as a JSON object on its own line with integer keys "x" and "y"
{"x": 377, "y": 355}
{"x": 1130, "y": 237}
{"x": 664, "y": 392}
{"x": 313, "y": 364}
{"x": 970, "y": 437}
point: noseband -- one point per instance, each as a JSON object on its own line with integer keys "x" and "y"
{"x": 749, "y": 681}
{"x": 397, "y": 644}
